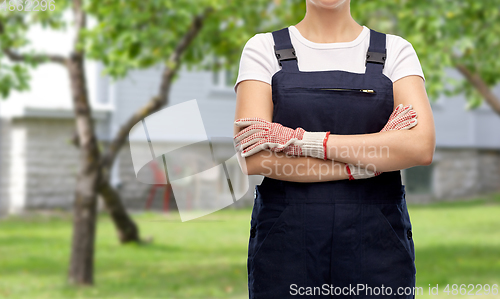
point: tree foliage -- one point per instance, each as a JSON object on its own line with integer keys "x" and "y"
{"x": 138, "y": 34}
{"x": 445, "y": 34}
{"x": 134, "y": 34}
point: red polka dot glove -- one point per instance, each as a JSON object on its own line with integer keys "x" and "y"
{"x": 402, "y": 118}
{"x": 260, "y": 134}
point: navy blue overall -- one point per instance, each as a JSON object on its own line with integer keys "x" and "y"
{"x": 324, "y": 239}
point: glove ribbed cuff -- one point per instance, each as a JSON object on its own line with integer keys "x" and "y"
{"x": 348, "y": 168}
{"x": 358, "y": 173}
{"x": 313, "y": 144}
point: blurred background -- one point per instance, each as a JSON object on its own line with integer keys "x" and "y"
{"x": 75, "y": 76}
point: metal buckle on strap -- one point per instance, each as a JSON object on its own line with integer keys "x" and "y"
{"x": 375, "y": 57}
{"x": 285, "y": 54}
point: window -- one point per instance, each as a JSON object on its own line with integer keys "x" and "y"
{"x": 223, "y": 78}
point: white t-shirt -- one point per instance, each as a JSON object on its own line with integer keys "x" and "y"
{"x": 258, "y": 61}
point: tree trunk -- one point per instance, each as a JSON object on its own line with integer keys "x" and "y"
{"x": 126, "y": 228}
{"x": 81, "y": 267}
{"x": 85, "y": 205}
{"x": 481, "y": 87}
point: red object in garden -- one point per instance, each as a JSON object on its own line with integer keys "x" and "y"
{"x": 159, "y": 177}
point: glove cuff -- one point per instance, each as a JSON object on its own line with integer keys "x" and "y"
{"x": 357, "y": 173}
{"x": 313, "y": 144}
{"x": 348, "y": 168}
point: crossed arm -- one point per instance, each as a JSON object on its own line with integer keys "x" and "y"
{"x": 394, "y": 149}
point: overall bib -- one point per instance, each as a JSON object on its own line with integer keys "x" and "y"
{"x": 333, "y": 236}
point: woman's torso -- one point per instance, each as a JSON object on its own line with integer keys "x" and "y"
{"x": 343, "y": 103}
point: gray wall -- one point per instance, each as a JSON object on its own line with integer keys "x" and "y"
{"x": 39, "y": 164}
{"x": 458, "y": 127}
{"x": 217, "y": 103}
{"x": 465, "y": 172}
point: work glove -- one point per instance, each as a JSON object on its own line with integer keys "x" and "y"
{"x": 261, "y": 134}
{"x": 402, "y": 118}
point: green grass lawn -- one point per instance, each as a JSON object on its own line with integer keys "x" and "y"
{"x": 455, "y": 243}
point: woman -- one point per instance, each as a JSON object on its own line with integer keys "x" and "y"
{"x": 320, "y": 114}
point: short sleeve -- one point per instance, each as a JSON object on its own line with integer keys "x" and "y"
{"x": 257, "y": 60}
{"x": 402, "y": 59}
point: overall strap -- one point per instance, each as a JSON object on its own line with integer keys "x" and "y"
{"x": 375, "y": 57}
{"x": 284, "y": 51}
